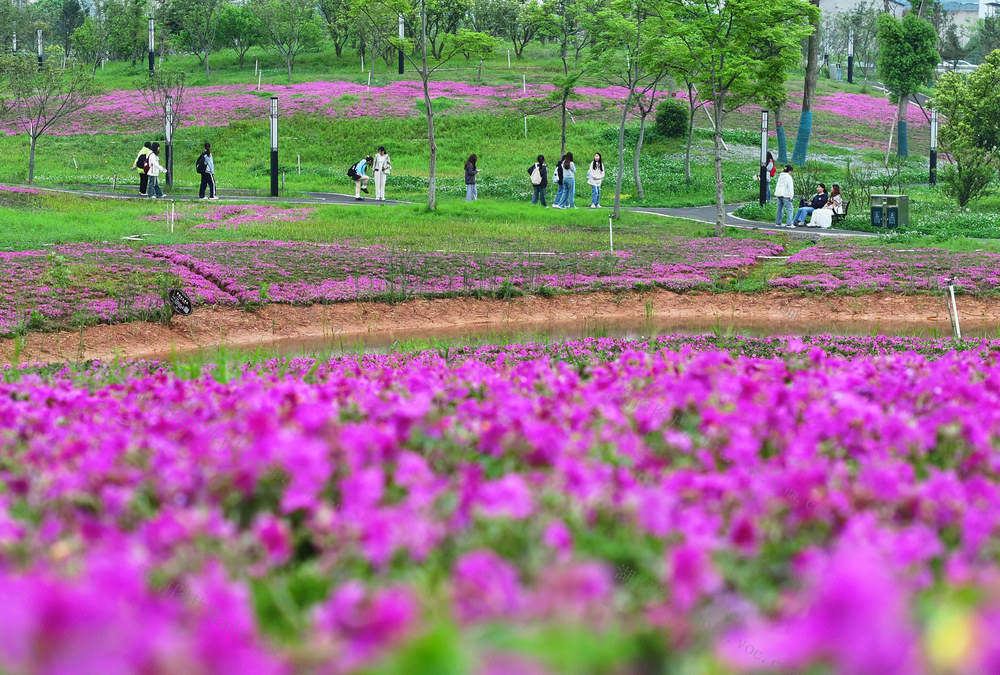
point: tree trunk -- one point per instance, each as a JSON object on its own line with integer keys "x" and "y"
{"x": 638, "y": 149}
{"x": 720, "y": 199}
{"x": 808, "y": 96}
{"x": 621, "y": 152}
{"x": 779, "y": 124}
{"x": 288, "y": 64}
{"x": 479, "y": 75}
{"x": 208, "y": 67}
{"x": 902, "y": 142}
{"x": 425, "y": 74}
{"x": 564, "y": 99}
{"x": 687, "y": 154}
{"x": 31, "y": 160}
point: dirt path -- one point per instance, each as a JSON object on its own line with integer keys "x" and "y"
{"x": 780, "y": 313}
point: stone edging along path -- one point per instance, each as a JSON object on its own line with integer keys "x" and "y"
{"x": 453, "y": 317}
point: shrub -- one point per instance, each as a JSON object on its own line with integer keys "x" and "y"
{"x": 967, "y": 181}
{"x": 671, "y": 119}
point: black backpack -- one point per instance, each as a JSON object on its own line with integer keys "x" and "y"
{"x": 353, "y": 171}
{"x": 140, "y": 161}
{"x": 201, "y": 164}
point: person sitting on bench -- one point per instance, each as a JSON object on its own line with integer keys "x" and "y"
{"x": 823, "y": 217}
{"x": 818, "y": 201}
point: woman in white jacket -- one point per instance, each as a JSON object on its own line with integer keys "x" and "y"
{"x": 785, "y": 191}
{"x": 155, "y": 169}
{"x": 380, "y": 169}
{"x": 595, "y": 176}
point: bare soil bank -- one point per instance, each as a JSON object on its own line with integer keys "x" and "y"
{"x": 776, "y": 312}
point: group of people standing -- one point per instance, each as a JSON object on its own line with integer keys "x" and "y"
{"x": 150, "y": 169}
{"x": 565, "y": 176}
{"x": 820, "y": 206}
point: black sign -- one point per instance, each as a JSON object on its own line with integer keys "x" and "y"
{"x": 180, "y": 302}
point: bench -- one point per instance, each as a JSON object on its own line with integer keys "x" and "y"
{"x": 837, "y": 217}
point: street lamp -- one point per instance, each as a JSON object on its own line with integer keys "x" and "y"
{"x": 764, "y": 178}
{"x": 402, "y": 34}
{"x": 40, "y": 48}
{"x": 168, "y": 122}
{"x": 934, "y": 133}
{"x": 152, "y": 38}
{"x": 274, "y": 146}
{"x": 850, "y": 56}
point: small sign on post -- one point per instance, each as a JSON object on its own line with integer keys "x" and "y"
{"x": 179, "y": 302}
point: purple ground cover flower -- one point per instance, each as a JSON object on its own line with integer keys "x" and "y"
{"x": 129, "y": 541}
{"x": 836, "y": 267}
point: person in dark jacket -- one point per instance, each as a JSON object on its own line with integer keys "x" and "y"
{"x": 559, "y": 181}
{"x": 470, "y": 179}
{"x": 206, "y": 167}
{"x": 139, "y": 164}
{"x": 539, "y": 173}
{"x": 818, "y": 201}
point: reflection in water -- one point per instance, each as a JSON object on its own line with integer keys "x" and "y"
{"x": 514, "y": 333}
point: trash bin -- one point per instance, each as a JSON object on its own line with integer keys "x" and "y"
{"x": 890, "y": 210}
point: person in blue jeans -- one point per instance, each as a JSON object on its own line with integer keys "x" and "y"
{"x": 818, "y": 201}
{"x": 568, "y": 198}
{"x": 784, "y": 191}
{"x": 539, "y": 172}
{"x": 595, "y": 176}
{"x": 559, "y": 181}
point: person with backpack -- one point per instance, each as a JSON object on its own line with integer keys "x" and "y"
{"x": 380, "y": 169}
{"x": 140, "y": 166}
{"x": 154, "y": 170}
{"x": 471, "y": 194}
{"x": 539, "y": 173}
{"x": 771, "y": 169}
{"x": 357, "y": 174}
{"x": 595, "y": 176}
{"x": 206, "y": 167}
{"x": 568, "y": 170}
{"x": 561, "y": 183}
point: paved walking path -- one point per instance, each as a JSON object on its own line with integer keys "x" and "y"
{"x": 702, "y": 214}
{"x": 707, "y": 214}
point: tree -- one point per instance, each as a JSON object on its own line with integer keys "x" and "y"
{"x": 443, "y": 18}
{"x": 985, "y": 38}
{"x": 239, "y": 29}
{"x": 290, "y": 27}
{"x": 199, "y": 23}
{"x": 110, "y": 24}
{"x": 42, "y": 96}
{"x": 907, "y": 58}
{"x": 971, "y": 132}
{"x": 628, "y": 53}
{"x": 415, "y": 50}
{"x": 63, "y": 17}
{"x": 524, "y": 23}
{"x": 808, "y": 93}
{"x": 743, "y": 50}
{"x": 336, "y": 14}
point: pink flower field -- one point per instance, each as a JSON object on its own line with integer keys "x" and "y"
{"x": 221, "y": 105}
{"x": 820, "y": 505}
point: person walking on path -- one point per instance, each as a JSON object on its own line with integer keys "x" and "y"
{"x": 595, "y": 176}
{"x": 561, "y": 183}
{"x": 539, "y": 172}
{"x": 140, "y": 166}
{"x": 155, "y": 169}
{"x": 568, "y": 200}
{"x": 784, "y": 191}
{"x": 771, "y": 168}
{"x": 357, "y": 174}
{"x": 380, "y": 170}
{"x": 206, "y": 167}
{"x": 817, "y": 201}
{"x": 470, "y": 179}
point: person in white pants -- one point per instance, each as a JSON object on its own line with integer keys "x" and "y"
{"x": 380, "y": 169}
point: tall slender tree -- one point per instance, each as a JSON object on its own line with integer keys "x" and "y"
{"x": 808, "y": 93}
{"x": 908, "y": 56}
